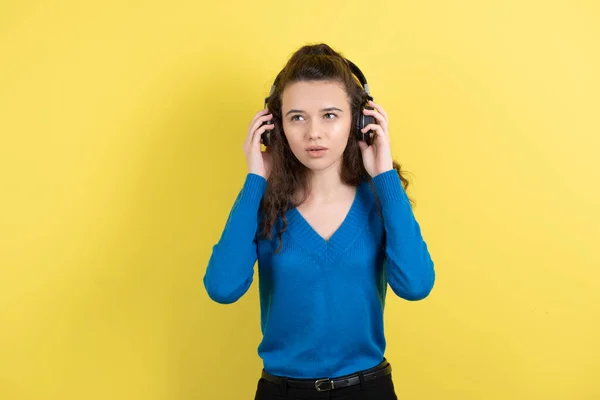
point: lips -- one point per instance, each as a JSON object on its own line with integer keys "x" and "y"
{"x": 316, "y": 148}
{"x": 316, "y": 151}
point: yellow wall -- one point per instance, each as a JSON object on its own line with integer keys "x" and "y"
{"x": 121, "y": 131}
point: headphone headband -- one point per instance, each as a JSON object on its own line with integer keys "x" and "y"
{"x": 361, "y": 77}
{"x": 353, "y": 67}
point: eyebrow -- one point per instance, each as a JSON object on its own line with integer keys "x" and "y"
{"x": 293, "y": 110}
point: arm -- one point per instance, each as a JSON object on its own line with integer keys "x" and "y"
{"x": 409, "y": 268}
{"x": 230, "y": 269}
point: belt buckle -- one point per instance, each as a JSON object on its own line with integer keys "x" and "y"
{"x": 319, "y": 388}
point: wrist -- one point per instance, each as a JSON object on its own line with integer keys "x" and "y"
{"x": 380, "y": 171}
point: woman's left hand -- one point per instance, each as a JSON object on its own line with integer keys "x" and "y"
{"x": 377, "y": 158}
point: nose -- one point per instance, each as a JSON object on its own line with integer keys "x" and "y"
{"x": 314, "y": 131}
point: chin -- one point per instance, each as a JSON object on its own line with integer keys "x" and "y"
{"x": 319, "y": 164}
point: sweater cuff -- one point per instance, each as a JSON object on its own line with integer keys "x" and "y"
{"x": 389, "y": 187}
{"x": 253, "y": 190}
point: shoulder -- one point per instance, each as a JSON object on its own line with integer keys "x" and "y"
{"x": 366, "y": 189}
{"x": 367, "y": 198}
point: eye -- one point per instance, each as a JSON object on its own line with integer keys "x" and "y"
{"x": 334, "y": 115}
{"x": 294, "y": 117}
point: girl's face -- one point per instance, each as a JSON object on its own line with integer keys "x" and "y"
{"x": 316, "y": 118}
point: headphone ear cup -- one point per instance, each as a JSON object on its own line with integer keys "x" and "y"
{"x": 364, "y": 120}
{"x": 265, "y": 137}
{"x": 268, "y": 135}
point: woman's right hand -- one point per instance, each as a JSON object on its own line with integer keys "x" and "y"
{"x": 258, "y": 161}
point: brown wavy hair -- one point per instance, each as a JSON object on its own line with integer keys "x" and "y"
{"x": 318, "y": 62}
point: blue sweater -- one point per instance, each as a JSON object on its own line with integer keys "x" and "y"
{"x": 321, "y": 301}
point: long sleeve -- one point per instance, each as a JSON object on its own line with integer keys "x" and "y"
{"x": 409, "y": 267}
{"x": 230, "y": 269}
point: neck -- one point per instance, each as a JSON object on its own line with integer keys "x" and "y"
{"x": 326, "y": 185}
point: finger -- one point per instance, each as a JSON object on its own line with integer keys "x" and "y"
{"x": 378, "y": 108}
{"x": 258, "y": 133}
{"x": 363, "y": 146}
{"x": 252, "y": 123}
{"x": 256, "y": 125}
{"x": 260, "y": 120}
{"x": 259, "y": 114}
{"x": 376, "y": 128}
{"x": 378, "y": 116}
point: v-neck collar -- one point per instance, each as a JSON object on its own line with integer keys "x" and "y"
{"x": 341, "y": 239}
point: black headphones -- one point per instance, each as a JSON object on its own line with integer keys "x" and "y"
{"x": 360, "y": 122}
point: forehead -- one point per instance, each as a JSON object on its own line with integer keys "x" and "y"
{"x": 314, "y": 95}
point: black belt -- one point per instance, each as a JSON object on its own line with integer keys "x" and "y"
{"x": 325, "y": 384}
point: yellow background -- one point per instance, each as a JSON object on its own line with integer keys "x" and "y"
{"x": 121, "y": 154}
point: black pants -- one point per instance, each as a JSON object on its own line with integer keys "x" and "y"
{"x": 377, "y": 389}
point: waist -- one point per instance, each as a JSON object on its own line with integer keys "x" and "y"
{"x": 322, "y": 384}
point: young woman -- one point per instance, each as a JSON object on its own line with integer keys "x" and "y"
{"x": 325, "y": 212}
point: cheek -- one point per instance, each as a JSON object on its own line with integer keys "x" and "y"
{"x": 293, "y": 136}
{"x": 340, "y": 134}
{"x": 295, "y": 140}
